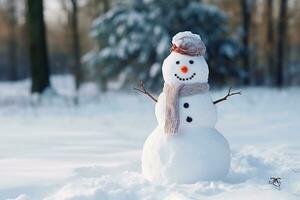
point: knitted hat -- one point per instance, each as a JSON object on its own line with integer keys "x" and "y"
{"x": 188, "y": 43}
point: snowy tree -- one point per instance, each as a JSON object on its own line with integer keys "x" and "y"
{"x": 133, "y": 39}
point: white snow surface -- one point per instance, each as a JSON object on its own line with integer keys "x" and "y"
{"x": 53, "y": 150}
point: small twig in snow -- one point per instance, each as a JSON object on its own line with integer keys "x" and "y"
{"x": 141, "y": 88}
{"x": 275, "y": 181}
{"x": 227, "y": 95}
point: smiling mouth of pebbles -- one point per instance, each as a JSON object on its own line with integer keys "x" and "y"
{"x": 185, "y": 79}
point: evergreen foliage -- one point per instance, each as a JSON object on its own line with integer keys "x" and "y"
{"x": 133, "y": 39}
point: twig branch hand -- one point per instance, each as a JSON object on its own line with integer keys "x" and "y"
{"x": 229, "y": 94}
{"x": 141, "y": 88}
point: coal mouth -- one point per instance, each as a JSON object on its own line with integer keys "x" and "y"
{"x": 185, "y": 79}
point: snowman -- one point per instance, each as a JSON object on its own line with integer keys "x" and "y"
{"x": 185, "y": 147}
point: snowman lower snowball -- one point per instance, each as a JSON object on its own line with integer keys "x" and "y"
{"x": 185, "y": 147}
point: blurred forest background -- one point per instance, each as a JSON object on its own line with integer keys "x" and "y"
{"x": 118, "y": 42}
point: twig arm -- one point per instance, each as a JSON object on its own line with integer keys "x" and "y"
{"x": 227, "y": 95}
{"x": 141, "y": 88}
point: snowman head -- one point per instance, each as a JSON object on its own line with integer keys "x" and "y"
{"x": 186, "y": 63}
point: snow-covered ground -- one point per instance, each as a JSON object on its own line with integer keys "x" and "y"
{"x": 53, "y": 150}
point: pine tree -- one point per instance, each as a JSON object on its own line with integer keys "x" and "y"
{"x": 132, "y": 40}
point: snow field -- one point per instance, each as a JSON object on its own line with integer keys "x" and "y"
{"x": 53, "y": 150}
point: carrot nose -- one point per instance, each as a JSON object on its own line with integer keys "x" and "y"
{"x": 184, "y": 69}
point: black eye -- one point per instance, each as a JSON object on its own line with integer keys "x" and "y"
{"x": 191, "y": 61}
{"x": 177, "y": 62}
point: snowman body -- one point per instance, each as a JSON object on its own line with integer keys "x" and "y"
{"x": 197, "y": 109}
{"x": 197, "y": 152}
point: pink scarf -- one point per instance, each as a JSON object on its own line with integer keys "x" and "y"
{"x": 173, "y": 92}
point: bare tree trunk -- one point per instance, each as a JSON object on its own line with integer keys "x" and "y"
{"x": 255, "y": 74}
{"x": 246, "y": 16}
{"x": 282, "y": 30}
{"x": 76, "y": 44}
{"x": 105, "y": 5}
{"x": 270, "y": 41}
{"x": 37, "y": 46}
{"x": 12, "y": 44}
{"x": 103, "y": 77}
